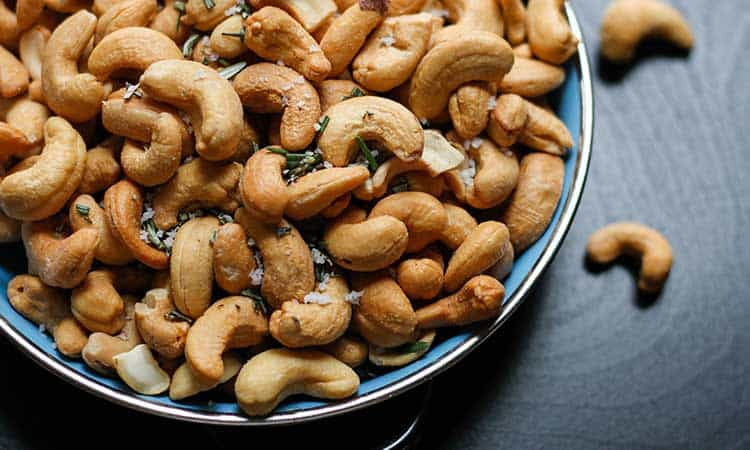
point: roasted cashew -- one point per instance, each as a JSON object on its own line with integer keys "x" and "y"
{"x": 476, "y": 56}
{"x": 508, "y": 119}
{"x": 393, "y": 51}
{"x": 346, "y": 36}
{"x": 191, "y": 271}
{"x": 14, "y": 78}
{"x": 263, "y": 188}
{"x": 226, "y": 38}
{"x": 67, "y": 6}
{"x": 532, "y": 78}
{"x": 481, "y": 298}
{"x": 274, "y": 35}
{"x": 470, "y": 16}
{"x": 8, "y": 27}
{"x": 523, "y": 51}
{"x": 164, "y": 336}
{"x": 46, "y": 306}
{"x": 250, "y": 136}
{"x": 28, "y": 117}
{"x": 627, "y": 23}
{"x": 514, "y": 14}
{"x": 270, "y": 377}
{"x": 314, "y": 192}
{"x": 423, "y": 182}
{"x": 75, "y": 96}
{"x": 422, "y": 214}
{"x": 544, "y": 131}
{"x": 372, "y": 119}
{"x": 310, "y": 14}
{"x": 97, "y": 305}
{"x": 384, "y": 316}
{"x": 167, "y": 21}
{"x": 130, "y": 49}
{"x": 233, "y": 260}
{"x": 185, "y": 384}
{"x": 212, "y": 104}
{"x": 535, "y": 199}
{"x": 200, "y": 17}
{"x": 396, "y": 357}
{"x": 232, "y": 322}
{"x": 141, "y": 372}
{"x": 630, "y": 238}
{"x": 123, "y": 204}
{"x": 102, "y": 169}
{"x": 421, "y": 277}
{"x": 336, "y": 91}
{"x": 101, "y": 348}
{"x": 377, "y": 185}
{"x": 469, "y": 109}
{"x": 10, "y": 229}
{"x": 85, "y": 212}
{"x": 549, "y": 34}
{"x": 337, "y": 207}
{"x": 270, "y": 88}
{"x": 12, "y": 143}
{"x": 482, "y": 248}
{"x": 365, "y": 245}
{"x": 288, "y": 266}
{"x": 125, "y": 14}
{"x": 198, "y": 183}
{"x": 347, "y": 349}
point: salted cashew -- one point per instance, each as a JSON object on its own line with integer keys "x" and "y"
{"x": 314, "y": 192}
{"x": 287, "y": 262}
{"x": 423, "y": 215}
{"x": 377, "y": 185}
{"x": 47, "y": 306}
{"x": 401, "y": 356}
{"x": 232, "y": 322}
{"x": 198, "y": 183}
{"x": 274, "y": 35}
{"x": 469, "y": 109}
{"x": 393, "y": 51}
{"x": 201, "y": 17}
{"x": 480, "y": 298}
{"x": 514, "y": 14}
{"x": 372, "y": 119}
{"x": 185, "y": 384}
{"x": 28, "y": 117}
{"x": 14, "y": 78}
{"x": 346, "y": 36}
{"x": 535, "y": 199}
{"x": 532, "y": 78}
{"x": 191, "y": 266}
{"x": 337, "y": 207}
{"x": 124, "y": 14}
{"x": 508, "y": 119}
{"x": 348, "y": 349}
{"x": 233, "y": 260}
{"x": 423, "y": 182}
{"x": 263, "y": 188}
{"x": 365, "y": 245}
{"x": 167, "y": 21}
{"x": 10, "y": 229}
{"x": 130, "y": 49}
{"x": 470, "y": 16}
{"x": 58, "y": 261}
{"x": 162, "y": 334}
{"x": 85, "y": 212}
{"x": 212, "y": 104}
{"x": 123, "y": 204}
{"x": 336, "y": 91}
{"x": 97, "y": 305}
{"x": 141, "y": 372}
{"x": 548, "y": 32}
{"x": 627, "y": 23}
{"x": 226, "y": 38}
{"x": 102, "y": 169}
{"x": 307, "y": 324}
{"x": 421, "y": 277}
{"x": 544, "y": 131}
{"x": 476, "y": 56}
{"x": 270, "y": 88}
{"x": 482, "y": 248}
{"x": 630, "y": 238}
{"x": 101, "y": 348}
{"x": 384, "y": 316}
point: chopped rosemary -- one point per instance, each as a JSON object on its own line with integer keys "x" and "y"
{"x": 210, "y": 4}
{"x": 366, "y": 153}
{"x": 278, "y": 151}
{"x": 131, "y": 90}
{"x": 256, "y": 147}
{"x": 180, "y": 7}
{"x": 299, "y": 164}
{"x": 83, "y": 211}
{"x": 400, "y": 185}
{"x": 229, "y": 72}
{"x": 151, "y": 235}
{"x": 413, "y": 347}
{"x": 356, "y": 92}
{"x": 323, "y": 124}
{"x": 259, "y": 304}
{"x": 176, "y": 316}
{"x": 238, "y": 34}
{"x": 212, "y": 239}
{"x": 283, "y": 231}
{"x": 224, "y": 62}
{"x": 187, "y": 47}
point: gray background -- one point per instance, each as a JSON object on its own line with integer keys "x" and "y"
{"x": 585, "y": 362}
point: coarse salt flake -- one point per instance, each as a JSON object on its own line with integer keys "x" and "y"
{"x": 387, "y": 40}
{"x": 491, "y": 103}
{"x": 468, "y": 173}
{"x": 317, "y": 297}
{"x": 280, "y": 63}
{"x": 353, "y": 297}
{"x": 476, "y": 142}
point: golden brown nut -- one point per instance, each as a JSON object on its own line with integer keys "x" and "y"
{"x": 532, "y": 78}
{"x": 314, "y": 192}
{"x": 14, "y": 78}
{"x": 124, "y": 14}
{"x": 263, "y": 188}
{"x": 384, "y": 316}
{"x": 97, "y": 305}
{"x": 481, "y": 298}
{"x": 130, "y": 49}
{"x": 226, "y": 39}
{"x": 167, "y": 21}
{"x": 549, "y": 33}
{"x": 164, "y": 336}
{"x": 312, "y": 15}
{"x": 201, "y": 17}
{"x": 101, "y": 348}
{"x": 421, "y": 277}
{"x": 482, "y": 248}
{"x": 102, "y": 169}
{"x": 191, "y": 266}
{"x": 346, "y": 35}
{"x": 470, "y": 16}
{"x": 422, "y": 214}
{"x": 85, "y": 212}
{"x": 347, "y": 349}
{"x": 469, "y": 109}
{"x": 233, "y": 259}
{"x": 508, "y": 119}
{"x": 514, "y": 14}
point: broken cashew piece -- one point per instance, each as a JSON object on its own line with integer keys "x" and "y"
{"x": 481, "y": 298}
{"x": 185, "y": 384}
{"x": 101, "y": 348}
{"x": 164, "y": 336}
{"x": 311, "y": 15}
{"x": 97, "y": 305}
{"x": 191, "y": 271}
{"x": 141, "y": 372}
{"x": 482, "y": 249}
{"x": 397, "y": 357}
{"x": 549, "y": 33}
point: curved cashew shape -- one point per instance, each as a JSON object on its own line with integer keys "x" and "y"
{"x": 385, "y": 357}
{"x": 295, "y": 372}
{"x": 549, "y": 34}
{"x": 198, "y": 183}
{"x": 365, "y": 245}
{"x": 337, "y": 207}
{"x": 42, "y": 190}
{"x": 233, "y": 260}
{"x": 627, "y": 23}
{"x": 514, "y": 14}
{"x": 167, "y": 21}
{"x": 346, "y": 35}
{"x": 102, "y": 169}
{"x": 156, "y": 163}
{"x": 185, "y": 384}
{"x": 377, "y": 185}
{"x": 382, "y": 67}
{"x": 165, "y": 337}
{"x": 481, "y": 298}
{"x": 191, "y": 271}
{"x": 269, "y": 88}
{"x": 422, "y": 214}
{"x": 203, "y": 18}
{"x": 110, "y": 250}
{"x": 421, "y": 277}
{"x": 482, "y": 248}
{"x": 335, "y": 91}
{"x": 312, "y": 15}
{"x": 263, "y": 188}
{"x": 130, "y": 49}
{"x": 348, "y": 349}
{"x": 232, "y": 322}
{"x": 306, "y": 324}
{"x": 8, "y": 27}
{"x": 31, "y": 49}
{"x": 470, "y": 16}
{"x": 477, "y": 56}
{"x": 46, "y": 306}
{"x": 288, "y": 265}
{"x": 508, "y": 119}
{"x": 28, "y": 117}
{"x": 372, "y": 119}
{"x": 544, "y": 131}
{"x": 123, "y": 204}
{"x": 314, "y": 192}
{"x": 630, "y": 238}
{"x": 384, "y": 316}
{"x": 12, "y": 143}
{"x": 101, "y": 348}
{"x": 224, "y": 40}
{"x": 212, "y": 104}
{"x": 124, "y": 14}
{"x": 14, "y": 78}
{"x": 274, "y": 35}
{"x": 468, "y": 108}
{"x": 97, "y": 305}
{"x": 535, "y": 199}
{"x": 532, "y": 78}
{"x": 75, "y": 96}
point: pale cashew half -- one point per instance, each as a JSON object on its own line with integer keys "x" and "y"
{"x": 101, "y": 348}
{"x": 274, "y": 35}
{"x": 130, "y": 49}
{"x": 532, "y": 78}
{"x": 270, "y": 88}
{"x": 348, "y": 349}
{"x": 482, "y": 248}
{"x": 75, "y": 96}
{"x": 263, "y": 188}
{"x": 314, "y": 192}
{"x": 384, "y": 316}
{"x": 141, "y": 372}
{"x": 549, "y": 33}
{"x": 162, "y": 334}
{"x": 630, "y": 238}
{"x": 14, "y": 78}
{"x": 422, "y": 214}
{"x": 47, "y": 306}
{"x": 191, "y": 266}
{"x": 97, "y": 305}
{"x": 627, "y": 23}
{"x": 403, "y": 355}
{"x": 270, "y": 377}
{"x": 481, "y": 298}
{"x": 185, "y": 384}
{"x": 470, "y": 16}
{"x": 421, "y": 277}
{"x": 514, "y": 14}
{"x": 311, "y": 14}
{"x": 477, "y": 56}
{"x": 372, "y": 119}
{"x": 102, "y": 169}
{"x": 212, "y": 104}
{"x": 469, "y": 109}
{"x": 346, "y": 35}
{"x": 233, "y": 260}
{"x": 232, "y": 322}
{"x": 85, "y": 212}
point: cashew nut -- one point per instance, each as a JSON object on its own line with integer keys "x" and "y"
{"x": 130, "y": 49}
{"x": 314, "y": 192}
{"x": 102, "y": 169}
{"x": 470, "y": 16}
{"x": 125, "y": 14}
{"x": 97, "y": 305}
{"x": 337, "y": 207}
{"x": 28, "y": 12}
{"x": 514, "y": 14}
{"x": 233, "y": 259}
{"x": 549, "y": 34}
{"x": 532, "y": 78}
{"x": 8, "y": 27}
{"x": 12, "y": 142}
{"x": 14, "y": 78}
{"x": 85, "y": 212}
{"x": 101, "y": 348}
{"x": 263, "y": 188}
{"x": 66, "y": 6}
{"x": 226, "y": 38}
{"x": 545, "y": 132}
{"x": 347, "y": 349}
{"x": 482, "y": 248}
{"x": 164, "y": 336}
{"x": 28, "y": 117}
{"x": 201, "y": 17}
{"x": 630, "y": 238}
{"x": 384, "y": 316}
{"x": 468, "y": 108}
{"x": 401, "y": 356}
{"x": 185, "y": 384}
{"x": 310, "y": 14}
{"x": 422, "y": 214}
{"x": 141, "y": 372}
{"x": 421, "y": 277}
{"x": 481, "y": 298}
{"x": 508, "y": 119}
{"x": 191, "y": 266}
{"x": 336, "y": 91}
{"x": 167, "y": 21}
{"x": 523, "y": 51}
{"x": 347, "y": 35}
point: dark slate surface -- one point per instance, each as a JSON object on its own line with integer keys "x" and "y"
{"x": 584, "y": 363}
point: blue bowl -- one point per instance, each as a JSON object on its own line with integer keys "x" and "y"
{"x": 574, "y": 105}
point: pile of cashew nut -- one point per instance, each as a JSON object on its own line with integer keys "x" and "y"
{"x": 257, "y": 198}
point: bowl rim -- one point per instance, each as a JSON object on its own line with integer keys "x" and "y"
{"x": 446, "y": 361}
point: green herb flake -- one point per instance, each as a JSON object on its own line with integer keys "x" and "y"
{"x": 356, "y": 92}
{"x": 209, "y": 4}
{"x": 283, "y": 231}
{"x": 278, "y": 151}
{"x": 259, "y": 304}
{"x": 83, "y": 211}
{"x": 189, "y": 45}
{"x": 400, "y": 185}
{"x": 152, "y": 236}
{"x": 238, "y": 34}
{"x": 323, "y": 124}
{"x": 229, "y": 72}
{"x": 212, "y": 239}
{"x": 176, "y": 316}
{"x": 224, "y": 62}
{"x": 365, "y": 150}
{"x": 413, "y": 347}
{"x": 180, "y": 7}
{"x": 256, "y": 147}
